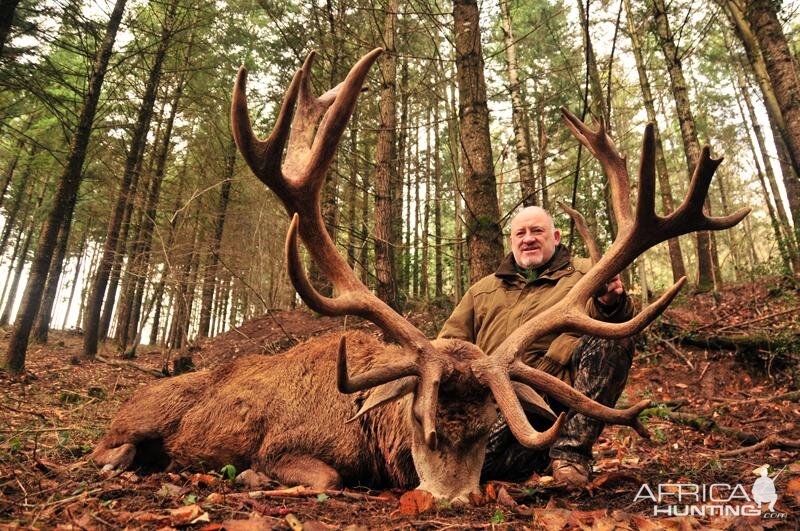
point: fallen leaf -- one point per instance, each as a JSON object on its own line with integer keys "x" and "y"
{"x": 203, "y": 480}
{"x": 168, "y": 490}
{"x": 186, "y": 515}
{"x": 491, "y": 493}
{"x": 793, "y": 489}
{"x": 254, "y": 523}
{"x": 215, "y": 497}
{"x": 612, "y": 479}
{"x": 551, "y": 519}
{"x": 294, "y": 523}
{"x": 505, "y": 499}
{"x": 416, "y": 501}
{"x": 644, "y": 523}
{"x": 794, "y": 468}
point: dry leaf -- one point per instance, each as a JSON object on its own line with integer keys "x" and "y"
{"x": 203, "y": 480}
{"x": 416, "y": 501}
{"x": 551, "y": 519}
{"x": 491, "y": 493}
{"x": 215, "y": 497}
{"x": 186, "y": 515}
{"x": 169, "y": 490}
{"x": 294, "y": 523}
{"x": 255, "y": 523}
{"x": 793, "y": 489}
{"x": 644, "y": 523}
{"x": 505, "y": 499}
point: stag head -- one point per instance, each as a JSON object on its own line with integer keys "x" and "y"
{"x": 453, "y": 386}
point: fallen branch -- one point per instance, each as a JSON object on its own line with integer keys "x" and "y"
{"x": 699, "y": 423}
{"x": 758, "y": 319}
{"x": 791, "y": 396}
{"x": 36, "y": 413}
{"x": 769, "y": 442}
{"x": 302, "y": 492}
{"x": 677, "y": 352}
{"x": 131, "y": 365}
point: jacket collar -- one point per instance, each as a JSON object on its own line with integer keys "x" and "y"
{"x": 507, "y": 269}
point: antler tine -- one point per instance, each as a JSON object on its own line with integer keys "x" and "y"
{"x": 600, "y": 144}
{"x": 263, "y": 156}
{"x": 583, "y": 229}
{"x": 565, "y": 394}
{"x": 386, "y": 373}
{"x": 496, "y": 378}
{"x": 646, "y": 200}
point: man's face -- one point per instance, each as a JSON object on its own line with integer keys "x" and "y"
{"x": 533, "y": 238}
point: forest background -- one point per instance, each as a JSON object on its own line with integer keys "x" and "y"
{"x": 127, "y": 212}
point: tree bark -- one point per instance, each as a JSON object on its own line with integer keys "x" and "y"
{"x": 691, "y": 146}
{"x": 75, "y": 278}
{"x": 763, "y": 18}
{"x": 210, "y": 273}
{"x": 7, "y": 10}
{"x": 519, "y": 116}
{"x": 668, "y": 204}
{"x": 386, "y": 166}
{"x": 42, "y": 324}
{"x": 484, "y": 235}
{"x": 92, "y": 318}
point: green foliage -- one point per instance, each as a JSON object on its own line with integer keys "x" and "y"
{"x": 498, "y": 517}
{"x": 321, "y": 497}
{"x": 189, "y": 499}
{"x": 228, "y": 472}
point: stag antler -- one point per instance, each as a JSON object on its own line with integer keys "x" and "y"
{"x": 298, "y": 182}
{"x": 638, "y": 231}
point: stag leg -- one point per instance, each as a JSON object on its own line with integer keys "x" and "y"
{"x": 305, "y": 470}
{"x": 600, "y": 371}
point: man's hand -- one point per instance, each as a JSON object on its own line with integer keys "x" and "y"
{"x": 613, "y": 292}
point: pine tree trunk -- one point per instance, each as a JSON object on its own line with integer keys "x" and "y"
{"x": 386, "y": 167}
{"x": 210, "y": 274}
{"x": 352, "y": 192}
{"x": 75, "y": 278}
{"x": 484, "y": 235}
{"x": 519, "y": 116}
{"x": 424, "y": 274}
{"x": 8, "y": 308}
{"x": 92, "y": 318}
{"x": 7, "y": 10}
{"x": 541, "y": 166}
{"x": 705, "y": 269}
{"x": 42, "y": 324}
{"x": 455, "y": 159}
{"x": 8, "y": 175}
{"x": 437, "y": 205}
{"x": 668, "y": 204}
{"x": 779, "y": 61}
{"x": 21, "y": 198}
{"x": 778, "y": 215}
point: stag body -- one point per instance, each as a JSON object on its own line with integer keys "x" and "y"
{"x": 282, "y": 415}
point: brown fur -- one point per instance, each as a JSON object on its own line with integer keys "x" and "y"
{"x": 283, "y": 415}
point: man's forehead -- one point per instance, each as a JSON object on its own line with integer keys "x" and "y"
{"x": 531, "y": 218}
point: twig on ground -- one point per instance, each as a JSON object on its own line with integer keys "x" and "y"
{"x": 791, "y": 396}
{"x": 677, "y": 352}
{"x": 770, "y": 441}
{"x": 132, "y": 365}
{"x": 40, "y": 415}
{"x": 703, "y": 373}
{"x": 295, "y": 492}
{"x": 39, "y": 430}
{"x": 758, "y": 319}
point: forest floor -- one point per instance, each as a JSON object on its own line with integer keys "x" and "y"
{"x": 710, "y": 403}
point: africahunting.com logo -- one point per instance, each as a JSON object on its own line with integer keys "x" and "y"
{"x": 716, "y": 499}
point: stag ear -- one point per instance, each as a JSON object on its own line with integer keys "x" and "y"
{"x": 386, "y": 393}
{"x": 532, "y": 402}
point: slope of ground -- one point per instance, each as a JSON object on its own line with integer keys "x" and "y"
{"x": 706, "y": 402}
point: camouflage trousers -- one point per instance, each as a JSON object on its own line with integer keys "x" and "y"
{"x": 599, "y": 370}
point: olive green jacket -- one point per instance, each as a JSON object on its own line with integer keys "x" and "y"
{"x": 498, "y": 304}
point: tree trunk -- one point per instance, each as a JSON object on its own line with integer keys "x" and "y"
{"x": 691, "y": 146}
{"x": 437, "y": 206}
{"x": 779, "y": 217}
{"x": 42, "y": 324}
{"x": 484, "y": 235}
{"x": 12, "y": 164}
{"x": 386, "y": 167}
{"x": 352, "y": 192}
{"x": 668, "y": 205}
{"x": 541, "y": 166}
{"x": 5, "y": 317}
{"x": 455, "y": 160}
{"x": 7, "y": 10}
{"x": 23, "y": 194}
{"x": 780, "y": 65}
{"x": 210, "y": 273}
{"x": 519, "y": 116}
{"x": 92, "y": 318}
{"x": 75, "y": 278}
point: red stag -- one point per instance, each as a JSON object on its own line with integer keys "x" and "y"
{"x": 412, "y": 414}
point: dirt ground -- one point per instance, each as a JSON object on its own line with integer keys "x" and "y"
{"x": 706, "y": 402}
